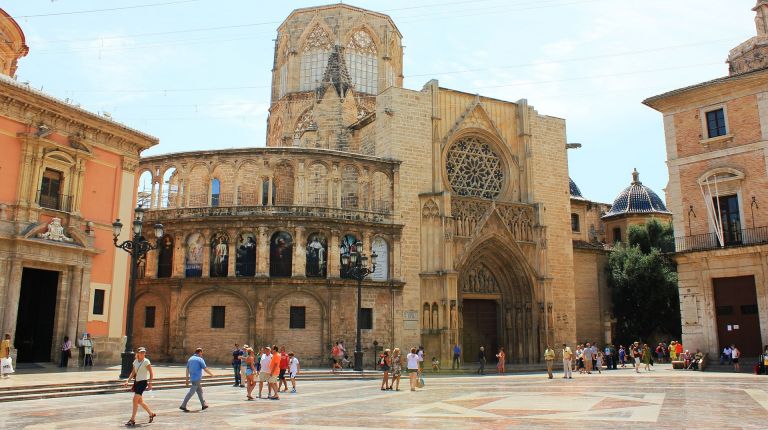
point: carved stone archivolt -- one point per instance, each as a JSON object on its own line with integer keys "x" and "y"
{"x": 479, "y": 280}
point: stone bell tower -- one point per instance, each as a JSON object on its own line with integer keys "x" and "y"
{"x": 330, "y": 64}
{"x": 752, "y": 54}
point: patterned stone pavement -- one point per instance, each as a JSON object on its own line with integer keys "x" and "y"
{"x": 663, "y": 398}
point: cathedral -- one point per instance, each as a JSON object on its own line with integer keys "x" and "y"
{"x": 465, "y": 200}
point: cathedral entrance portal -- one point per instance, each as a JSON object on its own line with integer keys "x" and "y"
{"x": 480, "y": 329}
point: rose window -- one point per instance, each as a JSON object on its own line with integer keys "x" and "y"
{"x": 474, "y": 169}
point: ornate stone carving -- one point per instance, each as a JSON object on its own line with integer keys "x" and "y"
{"x": 519, "y": 219}
{"x": 467, "y": 214}
{"x": 474, "y": 169}
{"x": 55, "y": 232}
{"x": 430, "y": 209}
{"x": 318, "y": 39}
{"x": 479, "y": 280}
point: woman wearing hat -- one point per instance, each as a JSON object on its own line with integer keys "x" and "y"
{"x": 143, "y": 375}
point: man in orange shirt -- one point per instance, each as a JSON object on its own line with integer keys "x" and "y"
{"x": 274, "y": 371}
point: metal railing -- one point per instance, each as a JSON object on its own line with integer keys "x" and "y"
{"x": 298, "y": 211}
{"x": 732, "y": 238}
{"x": 57, "y": 202}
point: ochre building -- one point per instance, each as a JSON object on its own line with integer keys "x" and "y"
{"x": 66, "y": 174}
{"x": 717, "y": 144}
{"x": 464, "y": 198}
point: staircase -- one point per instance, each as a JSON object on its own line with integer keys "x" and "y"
{"x": 89, "y": 388}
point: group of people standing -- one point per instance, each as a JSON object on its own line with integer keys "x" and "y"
{"x": 393, "y": 362}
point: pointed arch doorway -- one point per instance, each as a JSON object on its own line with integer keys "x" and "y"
{"x": 497, "y": 307}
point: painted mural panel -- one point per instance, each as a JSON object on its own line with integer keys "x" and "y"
{"x": 317, "y": 256}
{"x": 194, "y": 258}
{"x": 280, "y": 254}
{"x": 219, "y": 255}
{"x": 245, "y": 263}
{"x": 379, "y": 246}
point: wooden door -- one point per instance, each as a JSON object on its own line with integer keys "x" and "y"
{"x": 480, "y": 329}
{"x": 738, "y": 321}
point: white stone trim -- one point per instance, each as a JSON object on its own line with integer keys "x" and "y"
{"x": 703, "y": 118}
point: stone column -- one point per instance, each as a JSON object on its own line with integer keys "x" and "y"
{"x": 179, "y": 256}
{"x": 260, "y": 191}
{"x": 12, "y": 294}
{"x": 232, "y": 250}
{"x": 270, "y": 197}
{"x": 396, "y": 265}
{"x": 207, "y": 255}
{"x": 262, "y": 253}
{"x": 73, "y": 304}
{"x": 299, "y": 263}
{"x": 333, "y": 255}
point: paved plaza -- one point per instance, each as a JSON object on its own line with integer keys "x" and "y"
{"x": 663, "y": 398}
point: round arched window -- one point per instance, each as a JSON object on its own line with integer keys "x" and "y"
{"x": 474, "y": 169}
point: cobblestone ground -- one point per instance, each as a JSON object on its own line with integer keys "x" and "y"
{"x": 619, "y": 399}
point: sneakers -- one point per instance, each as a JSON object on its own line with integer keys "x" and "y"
{"x": 204, "y": 407}
{"x": 183, "y": 408}
{"x": 293, "y": 390}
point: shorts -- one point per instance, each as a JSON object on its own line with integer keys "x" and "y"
{"x": 139, "y": 387}
{"x": 272, "y": 379}
{"x": 282, "y": 374}
{"x": 736, "y": 360}
{"x": 248, "y": 371}
{"x": 264, "y": 377}
{"x": 292, "y": 375}
{"x": 385, "y": 368}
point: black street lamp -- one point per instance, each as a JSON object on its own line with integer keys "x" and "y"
{"x": 137, "y": 247}
{"x": 357, "y": 268}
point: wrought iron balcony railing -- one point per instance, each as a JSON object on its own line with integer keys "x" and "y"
{"x": 733, "y": 238}
{"x": 57, "y": 202}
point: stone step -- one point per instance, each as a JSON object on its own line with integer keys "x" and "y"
{"x": 20, "y": 393}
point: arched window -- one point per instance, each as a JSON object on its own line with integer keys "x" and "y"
{"x": 170, "y": 188}
{"x": 575, "y": 226}
{"x": 317, "y": 256}
{"x": 219, "y": 255}
{"x": 215, "y": 192}
{"x": 304, "y": 123}
{"x": 379, "y": 246}
{"x": 280, "y": 254}
{"x": 362, "y": 62}
{"x": 314, "y": 58}
{"x": 317, "y": 192}
{"x": 144, "y": 191}
{"x": 245, "y": 264}
{"x": 165, "y": 257}
{"x": 348, "y": 244}
{"x": 349, "y": 188}
{"x": 193, "y": 264}
{"x": 283, "y": 185}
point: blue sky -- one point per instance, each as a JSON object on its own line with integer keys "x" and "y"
{"x": 196, "y": 73}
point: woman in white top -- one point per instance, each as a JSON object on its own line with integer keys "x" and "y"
{"x": 413, "y": 367}
{"x": 735, "y": 354}
{"x": 142, "y": 371}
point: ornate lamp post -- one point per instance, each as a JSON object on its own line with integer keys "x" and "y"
{"x": 357, "y": 268}
{"x": 137, "y": 247}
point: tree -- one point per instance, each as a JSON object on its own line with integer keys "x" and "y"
{"x": 643, "y": 285}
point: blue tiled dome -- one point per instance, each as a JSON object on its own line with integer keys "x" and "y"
{"x": 636, "y": 199}
{"x": 575, "y": 191}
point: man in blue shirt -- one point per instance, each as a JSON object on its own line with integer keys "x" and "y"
{"x": 195, "y": 367}
{"x": 456, "y": 355}
{"x": 237, "y": 355}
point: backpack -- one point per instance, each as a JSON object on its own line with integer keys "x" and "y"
{"x": 335, "y": 351}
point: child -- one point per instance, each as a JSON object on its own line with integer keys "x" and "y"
{"x": 435, "y": 365}
{"x": 599, "y": 363}
{"x": 293, "y": 369}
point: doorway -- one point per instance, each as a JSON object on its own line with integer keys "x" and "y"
{"x": 738, "y": 321}
{"x": 480, "y": 329}
{"x": 37, "y": 311}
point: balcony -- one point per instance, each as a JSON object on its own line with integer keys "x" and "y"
{"x": 270, "y": 211}
{"x": 735, "y": 238}
{"x": 56, "y": 202}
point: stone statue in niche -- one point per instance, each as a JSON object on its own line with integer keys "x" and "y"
{"x": 55, "y": 232}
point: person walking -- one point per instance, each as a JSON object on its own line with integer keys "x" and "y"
{"x": 66, "y": 352}
{"x": 588, "y": 358}
{"x": 481, "y": 361}
{"x": 250, "y": 372}
{"x": 385, "y": 363}
{"x": 735, "y": 354}
{"x": 237, "y": 362}
{"x": 87, "y": 351}
{"x": 636, "y": 355}
{"x": 274, "y": 372}
{"x": 646, "y": 357}
{"x": 142, "y": 376}
{"x": 599, "y": 362}
{"x": 567, "y": 362}
{"x": 266, "y": 358}
{"x": 413, "y": 367}
{"x": 501, "y": 366}
{"x": 293, "y": 368}
{"x": 456, "y": 354}
{"x": 336, "y": 357}
{"x": 195, "y": 368}
{"x": 5, "y": 357}
{"x": 397, "y": 367}
{"x": 622, "y": 356}
{"x": 549, "y": 358}
{"x": 283, "y": 369}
